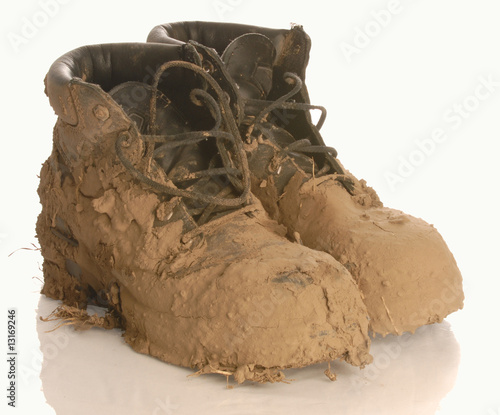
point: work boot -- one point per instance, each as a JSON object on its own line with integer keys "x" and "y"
{"x": 147, "y": 211}
{"x": 405, "y": 271}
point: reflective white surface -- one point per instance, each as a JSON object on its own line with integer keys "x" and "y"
{"x": 410, "y": 375}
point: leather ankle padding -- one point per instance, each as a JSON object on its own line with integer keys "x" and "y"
{"x": 106, "y": 65}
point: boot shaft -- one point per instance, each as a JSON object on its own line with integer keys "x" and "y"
{"x": 113, "y": 99}
{"x": 292, "y": 46}
{"x": 268, "y": 68}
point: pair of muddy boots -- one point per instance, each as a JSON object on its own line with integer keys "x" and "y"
{"x": 189, "y": 192}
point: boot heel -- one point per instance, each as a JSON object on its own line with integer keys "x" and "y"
{"x": 62, "y": 275}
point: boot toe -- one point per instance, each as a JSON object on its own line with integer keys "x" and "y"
{"x": 406, "y": 272}
{"x": 278, "y": 305}
{"x": 403, "y": 267}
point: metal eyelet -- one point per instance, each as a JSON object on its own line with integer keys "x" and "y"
{"x": 207, "y": 66}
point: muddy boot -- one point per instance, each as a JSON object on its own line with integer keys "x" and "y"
{"x": 406, "y": 273}
{"x": 147, "y": 211}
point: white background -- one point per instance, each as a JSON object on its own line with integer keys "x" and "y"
{"x": 404, "y": 82}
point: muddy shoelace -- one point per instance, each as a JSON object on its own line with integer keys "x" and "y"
{"x": 234, "y": 161}
{"x": 301, "y": 148}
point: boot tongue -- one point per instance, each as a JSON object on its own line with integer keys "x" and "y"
{"x": 135, "y": 98}
{"x": 249, "y": 60}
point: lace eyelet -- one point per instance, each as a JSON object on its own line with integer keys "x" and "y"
{"x": 208, "y": 67}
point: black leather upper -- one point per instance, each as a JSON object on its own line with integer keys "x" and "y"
{"x": 292, "y": 45}
{"x": 292, "y": 55}
{"x": 211, "y": 34}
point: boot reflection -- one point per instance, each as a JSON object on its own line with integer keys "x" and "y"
{"x": 83, "y": 371}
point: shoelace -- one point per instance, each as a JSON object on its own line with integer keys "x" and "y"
{"x": 300, "y": 148}
{"x": 236, "y": 171}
